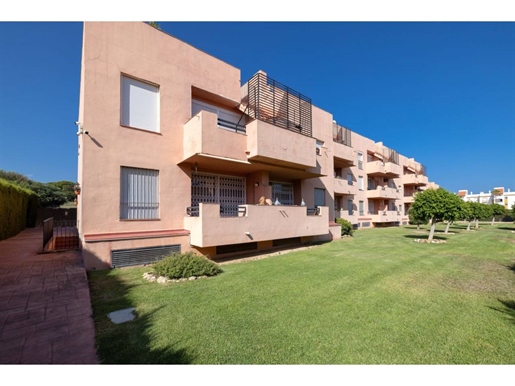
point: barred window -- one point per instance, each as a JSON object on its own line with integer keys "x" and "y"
{"x": 139, "y": 194}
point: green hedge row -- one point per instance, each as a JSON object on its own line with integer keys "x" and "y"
{"x": 18, "y": 209}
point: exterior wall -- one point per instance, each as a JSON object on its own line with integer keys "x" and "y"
{"x": 113, "y": 49}
{"x": 263, "y": 153}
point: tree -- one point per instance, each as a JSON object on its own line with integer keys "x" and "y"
{"x": 435, "y": 205}
{"x": 473, "y": 211}
{"x": 66, "y": 188}
{"x": 154, "y": 24}
{"x": 414, "y": 220}
{"x": 51, "y": 194}
{"x": 497, "y": 210}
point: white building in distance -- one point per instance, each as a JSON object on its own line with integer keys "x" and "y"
{"x": 496, "y": 196}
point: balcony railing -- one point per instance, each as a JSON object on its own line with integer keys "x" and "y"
{"x": 231, "y": 126}
{"x": 389, "y": 155}
{"x": 270, "y": 101}
{"x": 341, "y": 135}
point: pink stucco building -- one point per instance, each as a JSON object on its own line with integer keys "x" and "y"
{"x": 175, "y": 153}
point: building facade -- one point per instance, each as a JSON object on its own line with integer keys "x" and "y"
{"x": 175, "y": 153}
{"x": 498, "y": 195}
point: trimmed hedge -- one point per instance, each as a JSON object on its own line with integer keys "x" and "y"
{"x": 346, "y": 226}
{"x": 18, "y": 209}
{"x": 184, "y": 265}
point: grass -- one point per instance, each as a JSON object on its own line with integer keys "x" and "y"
{"x": 375, "y": 298}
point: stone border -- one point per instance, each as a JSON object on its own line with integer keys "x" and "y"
{"x": 152, "y": 277}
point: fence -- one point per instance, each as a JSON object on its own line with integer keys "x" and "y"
{"x": 60, "y": 235}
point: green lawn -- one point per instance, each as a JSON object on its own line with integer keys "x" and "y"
{"x": 375, "y": 298}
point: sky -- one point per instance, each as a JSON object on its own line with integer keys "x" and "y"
{"x": 441, "y": 92}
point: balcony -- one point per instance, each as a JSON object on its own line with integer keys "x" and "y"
{"x": 266, "y": 143}
{"x": 379, "y": 168}
{"x": 386, "y": 216}
{"x": 414, "y": 179}
{"x": 254, "y": 223}
{"x": 342, "y": 186}
{"x": 408, "y": 199}
{"x": 203, "y": 136}
{"x": 384, "y": 192}
{"x": 344, "y": 153}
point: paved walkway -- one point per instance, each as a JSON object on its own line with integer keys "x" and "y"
{"x": 45, "y": 309}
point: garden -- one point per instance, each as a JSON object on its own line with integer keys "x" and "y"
{"x": 377, "y": 297}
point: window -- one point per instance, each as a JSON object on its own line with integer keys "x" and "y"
{"x": 139, "y": 194}
{"x": 361, "y": 208}
{"x": 226, "y": 119}
{"x": 319, "y": 197}
{"x": 282, "y": 191}
{"x": 371, "y": 208}
{"x": 349, "y": 207}
{"x": 349, "y": 179}
{"x": 139, "y": 105}
{"x": 360, "y": 160}
{"x": 360, "y": 182}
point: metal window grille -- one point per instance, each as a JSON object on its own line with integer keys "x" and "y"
{"x": 283, "y": 192}
{"x": 228, "y": 191}
{"x": 139, "y": 194}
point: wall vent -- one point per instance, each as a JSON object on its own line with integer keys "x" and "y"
{"x": 140, "y": 256}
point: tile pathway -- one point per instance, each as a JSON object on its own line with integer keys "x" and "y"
{"x": 45, "y": 309}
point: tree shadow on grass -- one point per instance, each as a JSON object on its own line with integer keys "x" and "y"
{"x": 436, "y": 237}
{"x": 132, "y": 342}
{"x": 507, "y": 228}
{"x": 507, "y": 308}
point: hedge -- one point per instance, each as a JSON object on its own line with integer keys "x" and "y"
{"x": 18, "y": 209}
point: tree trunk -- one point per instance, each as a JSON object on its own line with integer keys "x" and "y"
{"x": 432, "y": 231}
{"x": 447, "y": 227}
{"x": 477, "y": 223}
{"x": 493, "y": 220}
{"x": 468, "y": 227}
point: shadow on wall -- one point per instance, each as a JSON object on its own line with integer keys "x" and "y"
{"x": 129, "y": 342}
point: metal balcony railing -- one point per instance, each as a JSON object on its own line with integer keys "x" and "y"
{"x": 342, "y": 135}
{"x": 270, "y": 101}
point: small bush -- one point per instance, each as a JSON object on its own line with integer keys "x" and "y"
{"x": 184, "y": 265}
{"x": 346, "y": 226}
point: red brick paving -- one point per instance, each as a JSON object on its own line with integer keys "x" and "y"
{"x": 45, "y": 309}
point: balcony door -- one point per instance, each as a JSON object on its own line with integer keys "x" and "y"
{"x": 228, "y": 191}
{"x": 282, "y": 192}
{"x": 319, "y": 197}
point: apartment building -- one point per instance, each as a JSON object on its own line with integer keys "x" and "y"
{"x": 176, "y": 154}
{"x": 497, "y": 195}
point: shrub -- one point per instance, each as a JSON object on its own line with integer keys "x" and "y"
{"x": 183, "y": 265}
{"x": 18, "y": 208}
{"x": 346, "y": 226}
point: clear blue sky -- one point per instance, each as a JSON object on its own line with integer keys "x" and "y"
{"x": 443, "y": 93}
